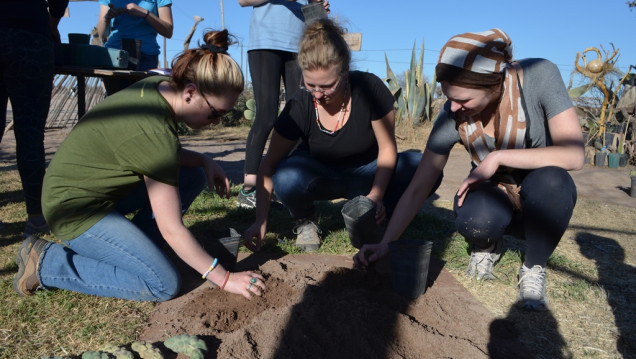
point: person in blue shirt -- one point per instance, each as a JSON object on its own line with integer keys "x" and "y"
{"x": 138, "y": 20}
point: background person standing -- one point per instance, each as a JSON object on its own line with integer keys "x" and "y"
{"x": 275, "y": 31}
{"x": 138, "y": 20}
{"x": 27, "y": 33}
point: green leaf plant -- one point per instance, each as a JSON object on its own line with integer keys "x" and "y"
{"x": 414, "y": 101}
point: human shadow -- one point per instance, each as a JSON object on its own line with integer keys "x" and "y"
{"x": 354, "y": 314}
{"x": 518, "y": 327}
{"x": 615, "y": 277}
{"x": 343, "y": 316}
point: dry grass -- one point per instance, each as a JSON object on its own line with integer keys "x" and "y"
{"x": 591, "y": 286}
{"x": 591, "y": 283}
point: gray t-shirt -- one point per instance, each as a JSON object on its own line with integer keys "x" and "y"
{"x": 544, "y": 94}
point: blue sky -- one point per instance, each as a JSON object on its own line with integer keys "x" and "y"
{"x": 555, "y": 29}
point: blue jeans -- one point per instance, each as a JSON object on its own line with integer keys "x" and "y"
{"x": 300, "y": 180}
{"x": 118, "y": 257}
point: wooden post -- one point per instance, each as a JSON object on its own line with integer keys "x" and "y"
{"x": 222, "y": 17}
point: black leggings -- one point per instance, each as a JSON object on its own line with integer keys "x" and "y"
{"x": 548, "y": 196}
{"x": 266, "y": 69}
{"x": 26, "y": 78}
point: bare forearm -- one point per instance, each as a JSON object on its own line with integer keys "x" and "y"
{"x": 162, "y": 27}
{"x": 570, "y": 158}
{"x": 190, "y": 251}
{"x": 385, "y": 166}
{"x": 419, "y": 189}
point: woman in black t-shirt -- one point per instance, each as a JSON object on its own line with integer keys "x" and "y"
{"x": 343, "y": 123}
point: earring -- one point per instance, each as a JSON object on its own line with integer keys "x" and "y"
{"x": 187, "y": 99}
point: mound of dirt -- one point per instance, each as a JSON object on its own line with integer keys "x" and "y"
{"x": 318, "y": 306}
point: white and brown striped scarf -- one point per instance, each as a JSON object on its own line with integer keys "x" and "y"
{"x": 510, "y": 120}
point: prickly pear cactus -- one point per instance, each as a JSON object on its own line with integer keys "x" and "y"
{"x": 189, "y": 345}
{"x": 146, "y": 350}
{"x": 96, "y": 355}
{"x": 118, "y": 352}
{"x": 250, "y": 112}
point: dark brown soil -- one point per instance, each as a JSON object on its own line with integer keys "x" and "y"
{"x": 318, "y": 306}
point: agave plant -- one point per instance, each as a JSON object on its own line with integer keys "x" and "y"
{"x": 414, "y": 102}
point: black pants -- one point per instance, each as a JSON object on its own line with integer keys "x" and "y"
{"x": 548, "y": 196}
{"x": 26, "y": 78}
{"x": 267, "y": 67}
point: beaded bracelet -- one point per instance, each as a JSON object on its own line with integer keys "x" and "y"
{"x": 227, "y": 276}
{"x": 214, "y": 263}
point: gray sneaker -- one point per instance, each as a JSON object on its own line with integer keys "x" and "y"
{"x": 482, "y": 263}
{"x": 246, "y": 199}
{"x": 531, "y": 286}
{"x": 307, "y": 235}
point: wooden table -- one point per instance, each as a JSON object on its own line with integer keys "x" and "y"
{"x": 82, "y": 72}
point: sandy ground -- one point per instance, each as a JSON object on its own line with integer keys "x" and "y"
{"x": 318, "y": 306}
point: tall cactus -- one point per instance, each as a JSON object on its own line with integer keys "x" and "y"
{"x": 414, "y": 102}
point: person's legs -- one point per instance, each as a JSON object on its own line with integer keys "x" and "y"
{"x": 298, "y": 182}
{"x": 266, "y": 69}
{"x": 291, "y": 75}
{"x": 27, "y": 76}
{"x": 483, "y": 219}
{"x": 114, "y": 258}
{"x": 548, "y": 197}
{"x": 191, "y": 183}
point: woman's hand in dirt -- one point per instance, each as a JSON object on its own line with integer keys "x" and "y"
{"x": 246, "y": 284}
{"x": 369, "y": 253}
{"x": 253, "y": 236}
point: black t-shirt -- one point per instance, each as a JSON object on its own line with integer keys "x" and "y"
{"x": 355, "y": 142}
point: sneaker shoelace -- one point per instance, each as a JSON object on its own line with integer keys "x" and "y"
{"x": 482, "y": 261}
{"x": 532, "y": 281}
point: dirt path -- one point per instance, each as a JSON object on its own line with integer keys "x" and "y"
{"x": 607, "y": 185}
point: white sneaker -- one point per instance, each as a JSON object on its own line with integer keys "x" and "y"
{"x": 307, "y": 235}
{"x": 531, "y": 286}
{"x": 482, "y": 263}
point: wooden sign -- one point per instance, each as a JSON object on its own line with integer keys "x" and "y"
{"x": 354, "y": 40}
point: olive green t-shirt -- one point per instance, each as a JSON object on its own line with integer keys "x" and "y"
{"x": 129, "y": 135}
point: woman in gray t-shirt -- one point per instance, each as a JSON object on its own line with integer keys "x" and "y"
{"x": 518, "y": 124}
